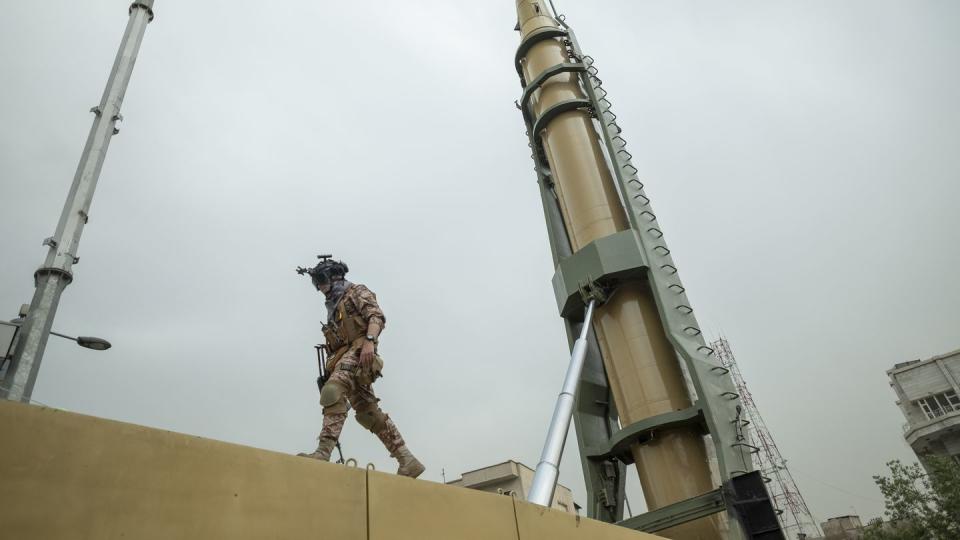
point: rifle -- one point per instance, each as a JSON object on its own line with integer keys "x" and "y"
{"x": 322, "y": 379}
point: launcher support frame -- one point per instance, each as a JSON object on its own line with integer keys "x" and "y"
{"x": 637, "y": 254}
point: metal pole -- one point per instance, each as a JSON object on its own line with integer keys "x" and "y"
{"x": 55, "y": 274}
{"x": 545, "y": 478}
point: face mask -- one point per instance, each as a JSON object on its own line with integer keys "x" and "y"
{"x": 336, "y": 292}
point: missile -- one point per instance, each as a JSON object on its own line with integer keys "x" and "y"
{"x": 644, "y": 373}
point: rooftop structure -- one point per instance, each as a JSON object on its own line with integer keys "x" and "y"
{"x": 928, "y": 394}
{"x": 842, "y": 528}
{"x": 515, "y": 479}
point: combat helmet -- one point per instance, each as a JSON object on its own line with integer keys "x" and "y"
{"x": 325, "y": 271}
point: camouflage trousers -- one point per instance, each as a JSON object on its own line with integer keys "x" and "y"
{"x": 362, "y": 399}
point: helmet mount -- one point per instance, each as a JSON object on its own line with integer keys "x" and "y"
{"x": 325, "y": 271}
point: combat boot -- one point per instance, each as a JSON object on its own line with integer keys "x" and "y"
{"x": 323, "y": 451}
{"x": 409, "y": 465}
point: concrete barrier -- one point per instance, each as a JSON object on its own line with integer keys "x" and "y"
{"x": 66, "y": 476}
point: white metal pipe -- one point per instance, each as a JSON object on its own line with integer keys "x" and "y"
{"x": 548, "y": 469}
{"x": 55, "y": 274}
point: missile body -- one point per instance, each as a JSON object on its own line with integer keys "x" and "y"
{"x": 641, "y": 364}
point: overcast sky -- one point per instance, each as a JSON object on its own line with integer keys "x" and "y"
{"x": 802, "y": 158}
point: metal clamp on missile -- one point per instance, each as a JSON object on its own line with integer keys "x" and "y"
{"x": 607, "y": 261}
{"x": 744, "y": 494}
{"x": 587, "y": 275}
{"x": 538, "y": 82}
{"x": 538, "y": 125}
{"x": 535, "y": 37}
{"x": 556, "y": 110}
{"x": 645, "y": 431}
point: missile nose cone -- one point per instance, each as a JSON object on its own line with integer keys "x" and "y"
{"x": 533, "y": 14}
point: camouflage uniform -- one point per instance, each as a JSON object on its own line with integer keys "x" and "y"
{"x": 350, "y": 383}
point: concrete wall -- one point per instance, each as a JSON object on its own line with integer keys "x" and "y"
{"x": 69, "y": 476}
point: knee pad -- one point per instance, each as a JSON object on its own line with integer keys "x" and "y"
{"x": 332, "y": 398}
{"x": 372, "y": 418}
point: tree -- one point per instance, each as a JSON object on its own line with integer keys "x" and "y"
{"x": 920, "y": 505}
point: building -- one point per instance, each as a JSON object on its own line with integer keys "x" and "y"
{"x": 514, "y": 479}
{"x": 842, "y": 528}
{"x": 928, "y": 393}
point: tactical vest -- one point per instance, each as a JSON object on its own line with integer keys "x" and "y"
{"x": 347, "y": 325}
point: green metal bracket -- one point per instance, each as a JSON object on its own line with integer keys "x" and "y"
{"x": 538, "y": 82}
{"x": 594, "y": 290}
{"x": 595, "y": 420}
{"x": 556, "y": 110}
{"x": 715, "y": 392}
{"x": 714, "y": 387}
{"x": 535, "y": 37}
{"x": 677, "y": 513}
{"x": 645, "y": 430}
{"x": 606, "y": 261}
{"x": 744, "y": 496}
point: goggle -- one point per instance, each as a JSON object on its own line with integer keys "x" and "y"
{"x": 319, "y": 278}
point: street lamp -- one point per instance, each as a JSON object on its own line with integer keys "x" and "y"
{"x": 56, "y": 273}
{"x": 95, "y": 343}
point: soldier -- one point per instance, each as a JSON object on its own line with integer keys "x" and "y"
{"x": 354, "y": 323}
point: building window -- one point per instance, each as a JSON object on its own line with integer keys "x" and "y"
{"x": 938, "y": 405}
{"x": 953, "y": 399}
{"x": 925, "y": 407}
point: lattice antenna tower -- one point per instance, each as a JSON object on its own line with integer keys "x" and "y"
{"x": 795, "y": 517}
